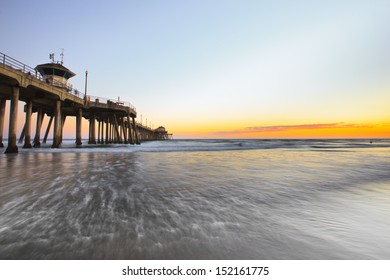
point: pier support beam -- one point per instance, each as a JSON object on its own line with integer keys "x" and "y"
{"x": 13, "y": 115}
{"x": 37, "y": 137}
{"x": 22, "y": 134}
{"x": 102, "y": 132}
{"x": 112, "y": 138}
{"x": 109, "y": 130}
{"x": 124, "y": 130}
{"x": 99, "y": 127}
{"x": 57, "y": 125}
{"x": 27, "y": 138}
{"x": 107, "y": 125}
{"x": 63, "y": 119}
{"x": 135, "y": 132}
{"x": 92, "y": 134}
{"x": 79, "y": 118}
{"x": 47, "y": 130}
{"x": 120, "y": 130}
{"x": 2, "y": 114}
{"x": 130, "y": 132}
{"x": 117, "y": 134}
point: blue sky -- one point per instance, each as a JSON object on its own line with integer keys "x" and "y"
{"x": 212, "y": 66}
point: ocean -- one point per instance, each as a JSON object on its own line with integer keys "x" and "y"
{"x": 198, "y": 199}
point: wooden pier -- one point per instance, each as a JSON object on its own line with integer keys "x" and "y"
{"x": 111, "y": 121}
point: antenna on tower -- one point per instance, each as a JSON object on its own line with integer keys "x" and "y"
{"x": 62, "y": 56}
{"x": 51, "y": 56}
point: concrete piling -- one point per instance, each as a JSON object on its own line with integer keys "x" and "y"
{"x": 13, "y": 115}
{"x": 57, "y": 125}
{"x": 37, "y": 137}
{"x": 79, "y": 117}
{"x": 48, "y": 130}
{"x": 3, "y": 103}
{"x": 107, "y": 126}
{"x": 27, "y": 138}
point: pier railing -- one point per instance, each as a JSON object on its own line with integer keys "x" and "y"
{"x": 17, "y": 65}
{"x": 145, "y": 126}
{"x": 111, "y": 102}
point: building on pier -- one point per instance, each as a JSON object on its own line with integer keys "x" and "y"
{"x": 56, "y": 74}
{"x": 162, "y": 134}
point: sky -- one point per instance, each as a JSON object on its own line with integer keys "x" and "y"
{"x": 222, "y": 68}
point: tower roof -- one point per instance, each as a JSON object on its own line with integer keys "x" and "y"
{"x": 54, "y": 69}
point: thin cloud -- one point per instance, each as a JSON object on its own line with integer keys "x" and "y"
{"x": 278, "y": 128}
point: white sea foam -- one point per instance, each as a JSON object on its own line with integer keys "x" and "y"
{"x": 220, "y": 199}
{"x": 68, "y": 146}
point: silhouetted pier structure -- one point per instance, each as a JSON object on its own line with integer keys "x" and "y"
{"x": 146, "y": 133}
{"x": 46, "y": 91}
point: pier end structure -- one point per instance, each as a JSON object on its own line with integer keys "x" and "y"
{"x": 149, "y": 134}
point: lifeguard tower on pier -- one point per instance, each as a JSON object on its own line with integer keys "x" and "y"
{"x": 55, "y": 73}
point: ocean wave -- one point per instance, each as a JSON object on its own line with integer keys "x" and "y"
{"x": 218, "y": 145}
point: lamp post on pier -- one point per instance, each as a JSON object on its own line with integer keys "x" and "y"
{"x": 86, "y": 83}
